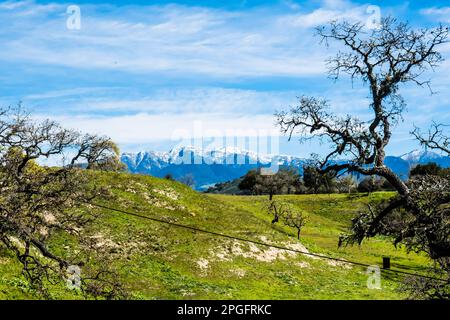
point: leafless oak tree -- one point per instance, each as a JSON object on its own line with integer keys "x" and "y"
{"x": 383, "y": 59}
{"x": 287, "y": 214}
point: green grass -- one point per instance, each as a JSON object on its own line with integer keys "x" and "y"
{"x": 157, "y": 261}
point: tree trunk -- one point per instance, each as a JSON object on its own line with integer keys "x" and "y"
{"x": 394, "y": 180}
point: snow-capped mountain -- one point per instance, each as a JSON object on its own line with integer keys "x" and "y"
{"x": 214, "y": 165}
{"x": 207, "y": 166}
{"x": 422, "y": 157}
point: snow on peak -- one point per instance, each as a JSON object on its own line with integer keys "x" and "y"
{"x": 217, "y": 154}
{"x": 209, "y": 155}
{"x": 420, "y": 156}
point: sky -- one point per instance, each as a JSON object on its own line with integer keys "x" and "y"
{"x": 147, "y": 73}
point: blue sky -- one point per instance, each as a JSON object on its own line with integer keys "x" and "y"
{"x": 146, "y": 72}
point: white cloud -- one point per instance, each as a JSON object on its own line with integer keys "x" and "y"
{"x": 108, "y": 100}
{"x": 174, "y": 39}
{"x": 64, "y": 93}
{"x": 171, "y": 38}
{"x": 143, "y": 128}
{"x": 439, "y": 13}
{"x": 435, "y": 10}
{"x": 291, "y": 4}
{"x": 10, "y": 5}
{"x": 330, "y": 11}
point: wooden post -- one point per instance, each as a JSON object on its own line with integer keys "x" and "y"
{"x": 386, "y": 262}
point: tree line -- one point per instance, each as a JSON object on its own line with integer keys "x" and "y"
{"x": 290, "y": 181}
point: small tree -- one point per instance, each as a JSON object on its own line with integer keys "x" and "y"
{"x": 346, "y": 184}
{"x": 290, "y": 217}
{"x": 295, "y": 220}
{"x": 169, "y": 176}
{"x": 312, "y": 179}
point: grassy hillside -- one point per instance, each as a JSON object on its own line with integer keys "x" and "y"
{"x": 157, "y": 261}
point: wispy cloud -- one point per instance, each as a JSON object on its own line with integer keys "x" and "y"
{"x": 331, "y": 11}
{"x": 144, "y": 128}
{"x": 170, "y": 38}
{"x": 292, "y": 4}
{"x": 119, "y": 100}
{"x": 441, "y": 14}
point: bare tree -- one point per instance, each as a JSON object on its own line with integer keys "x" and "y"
{"x": 37, "y": 202}
{"x": 295, "y": 220}
{"x": 384, "y": 59}
{"x": 290, "y": 217}
{"x": 346, "y": 184}
{"x": 437, "y": 137}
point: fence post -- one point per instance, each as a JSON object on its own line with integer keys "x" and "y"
{"x": 386, "y": 262}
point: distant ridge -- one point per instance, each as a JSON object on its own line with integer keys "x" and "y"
{"x": 211, "y": 166}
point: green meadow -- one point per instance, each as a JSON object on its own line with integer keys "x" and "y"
{"x": 160, "y": 261}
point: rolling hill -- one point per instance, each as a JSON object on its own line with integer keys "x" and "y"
{"x": 159, "y": 261}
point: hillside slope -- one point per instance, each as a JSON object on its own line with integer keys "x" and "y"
{"x": 158, "y": 261}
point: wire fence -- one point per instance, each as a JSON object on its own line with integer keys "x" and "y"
{"x": 261, "y": 243}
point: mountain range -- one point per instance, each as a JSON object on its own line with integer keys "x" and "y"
{"x": 210, "y": 166}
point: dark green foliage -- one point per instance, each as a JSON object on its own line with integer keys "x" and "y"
{"x": 373, "y": 184}
{"x": 228, "y": 187}
{"x": 428, "y": 169}
{"x": 169, "y": 177}
{"x": 369, "y": 185}
{"x": 318, "y": 182}
{"x": 248, "y": 182}
{"x": 284, "y": 181}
